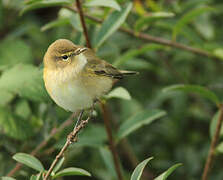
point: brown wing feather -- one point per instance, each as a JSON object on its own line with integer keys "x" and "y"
{"x": 101, "y": 67}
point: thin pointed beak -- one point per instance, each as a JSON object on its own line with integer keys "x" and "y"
{"x": 79, "y": 51}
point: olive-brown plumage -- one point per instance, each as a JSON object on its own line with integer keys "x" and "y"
{"x": 74, "y": 77}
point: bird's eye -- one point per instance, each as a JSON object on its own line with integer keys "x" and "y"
{"x": 65, "y": 57}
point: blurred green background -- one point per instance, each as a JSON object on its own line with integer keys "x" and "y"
{"x": 183, "y": 135}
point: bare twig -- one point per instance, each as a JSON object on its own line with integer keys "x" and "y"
{"x": 214, "y": 141}
{"x": 154, "y": 39}
{"x": 72, "y": 137}
{"x": 107, "y": 121}
{"x": 80, "y": 12}
{"x": 54, "y": 131}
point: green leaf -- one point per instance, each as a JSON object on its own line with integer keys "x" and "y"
{"x": 165, "y": 175}
{"x": 44, "y": 4}
{"x": 7, "y": 178}
{"x": 71, "y": 171}
{"x": 22, "y": 109}
{"x": 120, "y": 93}
{"x": 136, "y": 52}
{"x": 75, "y": 22}
{"x": 111, "y": 24}
{"x": 213, "y": 125}
{"x": 107, "y": 158}
{"x": 25, "y": 80}
{"x": 21, "y": 52}
{"x": 107, "y": 3}
{"x": 202, "y": 91}
{"x": 218, "y": 53}
{"x": 29, "y": 161}
{"x": 139, "y": 64}
{"x": 137, "y": 173}
{"x": 58, "y": 166}
{"x": 93, "y": 136}
{"x": 145, "y": 21}
{"x": 219, "y": 148}
{"x": 56, "y": 23}
{"x": 138, "y": 120}
{"x": 188, "y": 17}
{"x": 36, "y": 177}
{"x": 15, "y": 126}
{"x": 5, "y": 97}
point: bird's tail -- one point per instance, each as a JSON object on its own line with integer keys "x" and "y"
{"x": 128, "y": 73}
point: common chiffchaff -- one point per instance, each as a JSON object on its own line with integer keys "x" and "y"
{"x": 74, "y": 77}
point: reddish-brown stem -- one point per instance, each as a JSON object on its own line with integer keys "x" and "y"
{"x": 54, "y": 131}
{"x": 214, "y": 141}
{"x": 106, "y": 118}
{"x": 149, "y": 38}
{"x": 80, "y": 12}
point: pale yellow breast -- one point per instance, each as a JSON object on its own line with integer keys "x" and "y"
{"x": 74, "y": 92}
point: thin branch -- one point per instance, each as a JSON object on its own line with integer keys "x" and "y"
{"x": 154, "y": 39}
{"x": 104, "y": 110}
{"x": 80, "y": 12}
{"x": 107, "y": 121}
{"x": 72, "y": 137}
{"x": 214, "y": 141}
{"x": 54, "y": 131}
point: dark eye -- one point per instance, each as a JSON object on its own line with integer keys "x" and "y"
{"x": 65, "y": 57}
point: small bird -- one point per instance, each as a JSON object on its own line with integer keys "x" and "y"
{"x": 75, "y": 77}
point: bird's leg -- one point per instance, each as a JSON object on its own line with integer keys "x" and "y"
{"x": 79, "y": 118}
{"x": 72, "y": 136}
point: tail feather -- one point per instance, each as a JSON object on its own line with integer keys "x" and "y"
{"x": 127, "y": 73}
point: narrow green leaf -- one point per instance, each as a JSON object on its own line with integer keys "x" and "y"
{"x": 34, "y": 177}
{"x": 23, "y": 109}
{"x": 120, "y": 93}
{"x": 111, "y": 24}
{"x": 188, "y": 17}
{"x": 139, "y": 64}
{"x": 145, "y": 21}
{"x": 213, "y": 125}
{"x": 7, "y": 178}
{"x": 137, "y": 173}
{"x": 136, "y": 52}
{"x": 138, "y": 120}
{"x": 44, "y": 4}
{"x": 29, "y": 160}
{"x": 107, "y": 3}
{"x": 26, "y": 81}
{"x": 218, "y": 53}
{"x": 165, "y": 175}
{"x": 71, "y": 171}
{"x": 30, "y": 1}
{"x": 107, "y": 158}
{"x": 56, "y": 23}
{"x": 202, "y": 91}
{"x": 219, "y": 148}
{"x": 75, "y": 22}
{"x": 58, "y": 166}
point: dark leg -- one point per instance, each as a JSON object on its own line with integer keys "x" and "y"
{"x": 79, "y": 118}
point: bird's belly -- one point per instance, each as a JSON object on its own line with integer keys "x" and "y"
{"x": 75, "y": 93}
{"x": 71, "y": 96}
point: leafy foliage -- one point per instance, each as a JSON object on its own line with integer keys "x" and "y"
{"x": 131, "y": 35}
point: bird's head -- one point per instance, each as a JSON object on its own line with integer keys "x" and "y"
{"x": 62, "y": 53}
